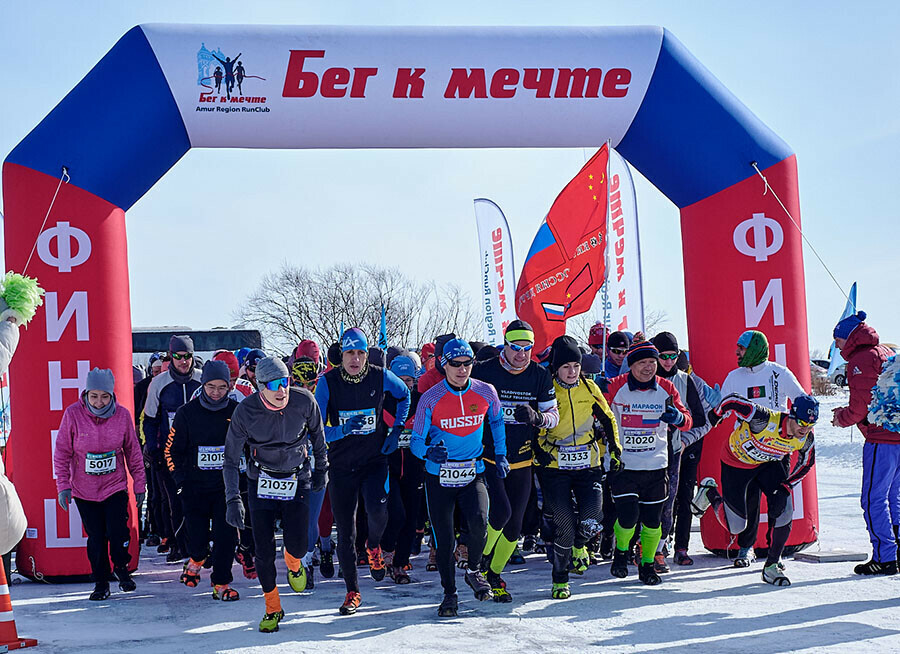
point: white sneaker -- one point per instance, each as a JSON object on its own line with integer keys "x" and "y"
{"x": 772, "y": 575}
{"x": 701, "y": 500}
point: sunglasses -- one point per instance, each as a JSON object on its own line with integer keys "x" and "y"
{"x": 806, "y": 423}
{"x": 668, "y": 357}
{"x": 519, "y": 348}
{"x": 618, "y": 350}
{"x": 251, "y": 368}
{"x": 179, "y": 357}
{"x": 275, "y": 384}
{"x": 460, "y": 364}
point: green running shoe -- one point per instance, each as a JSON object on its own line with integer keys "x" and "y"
{"x": 297, "y": 580}
{"x": 561, "y": 591}
{"x": 580, "y": 560}
{"x": 270, "y": 621}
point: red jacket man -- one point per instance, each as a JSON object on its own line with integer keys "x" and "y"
{"x": 865, "y": 355}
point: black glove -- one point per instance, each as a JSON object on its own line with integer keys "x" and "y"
{"x": 524, "y": 414}
{"x": 542, "y": 457}
{"x": 318, "y": 480}
{"x": 615, "y": 465}
{"x": 234, "y": 513}
{"x": 602, "y": 384}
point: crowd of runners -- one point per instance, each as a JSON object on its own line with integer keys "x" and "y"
{"x": 473, "y": 453}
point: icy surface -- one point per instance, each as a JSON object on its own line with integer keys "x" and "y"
{"x": 710, "y": 607}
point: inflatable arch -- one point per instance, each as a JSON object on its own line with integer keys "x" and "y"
{"x": 164, "y": 89}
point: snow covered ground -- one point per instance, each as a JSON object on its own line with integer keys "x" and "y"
{"x": 710, "y": 607}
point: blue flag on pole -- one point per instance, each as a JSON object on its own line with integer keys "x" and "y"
{"x": 833, "y": 353}
{"x": 382, "y": 338}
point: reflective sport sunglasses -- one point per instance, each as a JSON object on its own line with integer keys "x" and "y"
{"x": 806, "y": 423}
{"x": 179, "y": 357}
{"x": 275, "y": 384}
{"x": 618, "y": 350}
{"x": 460, "y": 364}
{"x": 668, "y": 357}
{"x": 519, "y": 348}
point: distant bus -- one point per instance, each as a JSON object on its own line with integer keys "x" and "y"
{"x": 145, "y": 342}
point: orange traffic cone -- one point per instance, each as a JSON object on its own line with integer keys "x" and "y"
{"x": 9, "y": 638}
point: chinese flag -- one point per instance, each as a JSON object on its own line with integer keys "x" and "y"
{"x": 565, "y": 266}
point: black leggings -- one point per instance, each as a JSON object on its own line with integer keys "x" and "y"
{"x": 407, "y": 482}
{"x": 472, "y": 500}
{"x": 574, "y": 523}
{"x": 294, "y": 529}
{"x": 687, "y": 479}
{"x": 741, "y": 490}
{"x": 344, "y": 488}
{"x": 106, "y": 524}
{"x": 202, "y": 507}
{"x": 509, "y": 499}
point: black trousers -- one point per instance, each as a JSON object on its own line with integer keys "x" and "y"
{"x": 344, "y": 488}
{"x": 741, "y": 492}
{"x": 687, "y": 479}
{"x": 407, "y": 483}
{"x": 294, "y": 516}
{"x": 106, "y": 524}
{"x": 531, "y": 522}
{"x": 574, "y": 524}
{"x": 509, "y": 499}
{"x": 172, "y": 518}
{"x": 472, "y": 500}
{"x": 202, "y": 508}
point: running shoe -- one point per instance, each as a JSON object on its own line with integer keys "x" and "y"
{"x": 659, "y": 564}
{"x": 772, "y": 575}
{"x": 498, "y": 588}
{"x": 449, "y": 606}
{"x": 190, "y": 575}
{"x": 297, "y": 579}
{"x": 376, "y": 563}
{"x": 270, "y": 621}
{"x": 126, "y": 583}
{"x": 310, "y": 577}
{"x": 702, "y": 499}
{"x": 606, "y": 546}
{"x": 516, "y": 558}
{"x": 647, "y": 574}
{"x": 351, "y": 603}
{"x": 744, "y": 557}
{"x": 874, "y": 567}
{"x": 619, "y": 567}
{"x": 682, "y": 558}
{"x": 399, "y": 575}
{"x": 163, "y": 546}
{"x": 248, "y": 566}
{"x": 580, "y": 560}
{"x": 561, "y": 591}
{"x": 479, "y": 585}
{"x": 528, "y": 543}
{"x": 101, "y": 591}
{"x": 462, "y": 556}
{"x": 431, "y": 566}
{"x": 225, "y": 593}
{"x": 326, "y": 565}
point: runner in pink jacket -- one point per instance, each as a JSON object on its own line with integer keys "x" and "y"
{"x": 96, "y": 441}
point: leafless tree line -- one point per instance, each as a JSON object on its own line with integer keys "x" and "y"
{"x": 295, "y": 303}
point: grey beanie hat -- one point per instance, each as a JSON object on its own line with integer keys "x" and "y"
{"x": 269, "y": 369}
{"x": 181, "y": 344}
{"x": 215, "y": 370}
{"x": 100, "y": 380}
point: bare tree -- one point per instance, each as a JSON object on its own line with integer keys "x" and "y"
{"x": 579, "y": 326}
{"x": 296, "y": 303}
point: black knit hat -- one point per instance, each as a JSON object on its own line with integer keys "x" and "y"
{"x": 334, "y": 354}
{"x": 665, "y": 342}
{"x": 519, "y": 330}
{"x": 564, "y": 350}
{"x": 618, "y": 339}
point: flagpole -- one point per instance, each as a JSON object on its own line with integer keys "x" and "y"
{"x": 606, "y": 264}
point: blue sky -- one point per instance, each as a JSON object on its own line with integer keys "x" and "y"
{"x": 821, "y": 74}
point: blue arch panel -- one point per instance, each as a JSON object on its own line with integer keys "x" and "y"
{"x": 118, "y": 131}
{"x": 692, "y": 137}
